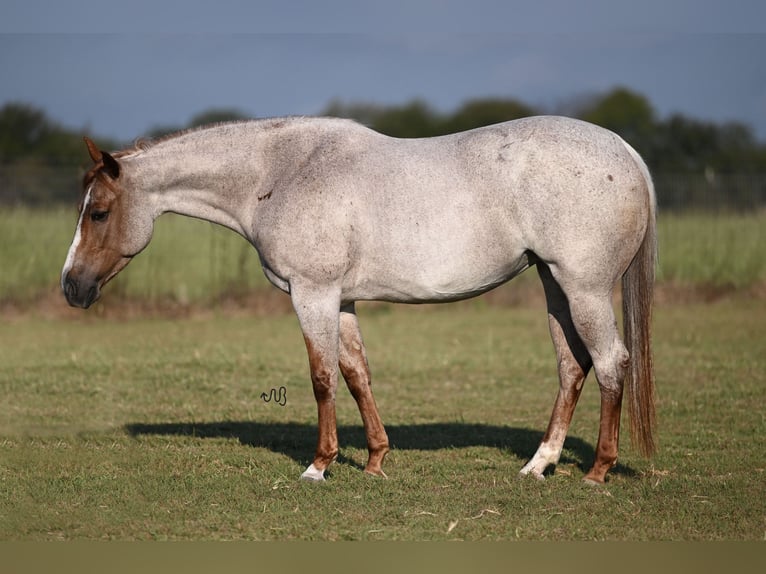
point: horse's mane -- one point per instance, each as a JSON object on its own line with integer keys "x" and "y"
{"x": 145, "y": 143}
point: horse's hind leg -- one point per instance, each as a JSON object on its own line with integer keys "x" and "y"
{"x": 594, "y": 319}
{"x": 573, "y": 365}
{"x": 356, "y": 371}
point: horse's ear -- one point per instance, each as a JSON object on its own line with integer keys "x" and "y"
{"x": 110, "y": 165}
{"x": 95, "y": 153}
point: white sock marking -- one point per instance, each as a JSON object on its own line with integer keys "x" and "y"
{"x": 544, "y": 456}
{"x": 313, "y": 473}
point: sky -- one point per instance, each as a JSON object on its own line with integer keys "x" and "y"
{"x": 119, "y": 69}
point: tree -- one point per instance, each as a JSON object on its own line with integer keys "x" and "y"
{"x": 364, "y": 113}
{"x": 22, "y": 130}
{"x": 628, "y": 114}
{"x": 687, "y": 145}
{"x": 215, "y": 116}
{"x": 417, "y": 119}
{"x": 621, "y": 110}
{"x": 412, "y": 120}
{"x": 484, "y": 112}
{"x": 41, "y": 160}
{"x": 211, "y": 116}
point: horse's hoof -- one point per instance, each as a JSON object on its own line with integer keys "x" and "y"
{"x": 378, "y": 473}
{"x": 592, "y": 482}
{"x": 313, "y": 474}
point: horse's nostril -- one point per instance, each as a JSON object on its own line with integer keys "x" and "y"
{"x": 70, "y": 288}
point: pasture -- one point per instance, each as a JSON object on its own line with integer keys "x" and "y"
{"x": 116, "y": 424}
{"x": 191, "y": 262}
{"x": 152, "y": 428}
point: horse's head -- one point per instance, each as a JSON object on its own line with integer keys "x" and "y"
{"x": 113, "y": 226}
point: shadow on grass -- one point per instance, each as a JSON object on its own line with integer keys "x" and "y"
{"x": 297, "y": 441}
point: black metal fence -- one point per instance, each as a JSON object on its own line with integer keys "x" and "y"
{"x": 39, "y": 185}
{"x": 738, "y": 192}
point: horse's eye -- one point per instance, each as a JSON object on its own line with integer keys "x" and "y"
{"x": 99, "y": 216}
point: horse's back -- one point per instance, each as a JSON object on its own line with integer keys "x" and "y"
{"x": 538, "y": 165}
{"x": 558, "y": 187}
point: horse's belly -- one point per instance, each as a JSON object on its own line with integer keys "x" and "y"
{"x": 442, "y": 281}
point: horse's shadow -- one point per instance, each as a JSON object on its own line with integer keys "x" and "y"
{"x": 297, "y": 440}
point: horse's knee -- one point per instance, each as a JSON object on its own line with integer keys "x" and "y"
{"x": 324, "y": 377}
{"x": 324, "y": 384}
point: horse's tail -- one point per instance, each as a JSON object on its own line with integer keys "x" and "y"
{"x": 637, "y": 289}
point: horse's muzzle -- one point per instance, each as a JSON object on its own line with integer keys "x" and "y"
{"x": 80, "y": 294}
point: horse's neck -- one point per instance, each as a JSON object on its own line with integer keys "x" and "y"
{"x": 214, "y": 174}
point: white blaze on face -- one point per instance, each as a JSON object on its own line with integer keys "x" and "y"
{"x": 76, "y": 241}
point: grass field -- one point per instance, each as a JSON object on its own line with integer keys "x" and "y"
{"x": 190, "y": 261}
{"x": 151, "y": 428}
{"x": 155, "y": 429}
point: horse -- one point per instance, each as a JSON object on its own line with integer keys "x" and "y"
{"x": 339, "y": 213}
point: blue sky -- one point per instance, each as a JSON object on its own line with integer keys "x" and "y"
{"x": 161, "y": 65}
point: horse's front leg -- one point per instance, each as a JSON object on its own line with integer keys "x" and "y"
{"x": 356, "y": 372}
{"x": 317, "y": 311}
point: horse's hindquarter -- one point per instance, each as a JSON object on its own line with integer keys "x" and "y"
{"x": 584, "y": 201}
{"x": 574, "y": 191}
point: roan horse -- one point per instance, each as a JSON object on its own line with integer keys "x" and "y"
{"x": 339, "y": 213}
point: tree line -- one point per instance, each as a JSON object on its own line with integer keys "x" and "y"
{"x": 40, "y": 160}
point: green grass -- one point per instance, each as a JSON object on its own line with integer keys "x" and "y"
{"x": 187, "y": 261}
{"x": 190, "y": 261}
{"x": 716, "y": 250}
{"x": 154, "y": 429}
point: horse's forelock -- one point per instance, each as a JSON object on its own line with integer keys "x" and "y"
{"x": 87, "y": 182}
{"x": 90, "y": 178}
